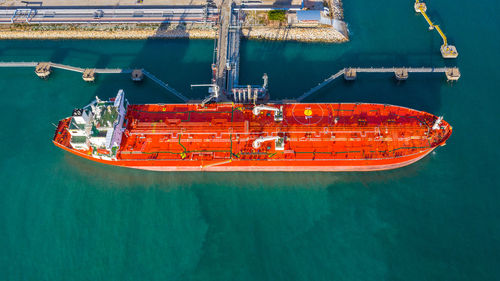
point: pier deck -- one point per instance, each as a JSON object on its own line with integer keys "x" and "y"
{"x": 226, "y": 65}
{"x": 233, "y": 53}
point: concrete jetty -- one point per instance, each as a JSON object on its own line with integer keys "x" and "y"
{"x": 226, "y": 64}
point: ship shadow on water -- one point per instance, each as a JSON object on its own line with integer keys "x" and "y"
{"x": 95, "y": 174}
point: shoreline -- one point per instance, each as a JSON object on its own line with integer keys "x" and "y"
{"x": 153, "y": 31}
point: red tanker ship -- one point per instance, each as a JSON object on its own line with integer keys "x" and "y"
{"x": 248, "y": 137}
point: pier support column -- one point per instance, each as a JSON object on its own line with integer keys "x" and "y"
{"x": 401, "y": 74}
{"x": 88, "y": 75}
{"x": 452, "y": 74}
{"x": 350, "y": 74}
{"x": 43, "y": 69}
{"x": 137, "y": 75}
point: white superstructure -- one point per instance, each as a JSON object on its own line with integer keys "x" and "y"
{"x": 99, "y": 126}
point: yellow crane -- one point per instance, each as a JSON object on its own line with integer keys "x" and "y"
{"x": 447, "y": 51}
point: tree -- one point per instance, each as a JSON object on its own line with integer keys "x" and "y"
{"x": 278, "y": 15}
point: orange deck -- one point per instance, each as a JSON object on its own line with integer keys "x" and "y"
{"x": 317, "y": 137}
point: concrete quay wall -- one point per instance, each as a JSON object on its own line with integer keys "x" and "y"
{"x": 192, "y": 31}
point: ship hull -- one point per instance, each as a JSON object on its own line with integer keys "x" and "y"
{"x": 243, "y": 137}
{"x": 347, "y": 165}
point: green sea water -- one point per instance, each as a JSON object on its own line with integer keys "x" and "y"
{"x": 66, "y": 218}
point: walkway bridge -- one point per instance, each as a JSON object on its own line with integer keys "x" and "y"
{"x": 447, "y": 51}
{"x": 44, "y": 72}
{"x": 401, "y": 73}
{"x": 65, "y": 67}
